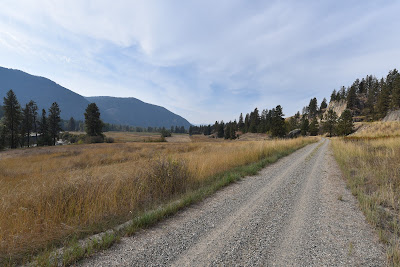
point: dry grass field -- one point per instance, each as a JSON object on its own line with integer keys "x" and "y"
{"x": 371, "y": 162}
{"x": 50, "y": 194}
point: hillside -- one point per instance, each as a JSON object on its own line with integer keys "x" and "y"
{"x": 127, "y": 111}
{"x": 43, "y": 91}
{"x": 132, "y": 111}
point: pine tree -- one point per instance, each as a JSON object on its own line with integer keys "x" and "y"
{"x": 352, "y": 98}
{"x": 314, "y": 127}
{"x": 304, "y": 125}
{"x": 44, "y": 130}
{"x": 330, "y": 122}
{"x": 396, "y": 93}
{"x": 313, "y": 108}
{"x": 34, "y": 113}
{"x": 227, "y": 132}
{"x": 71, "y": 124}
{"x": 27, "y": 123}
{"x": 323, "y": 106}
{"x": 333, "y": 96}
{"x": 93, "y": 123}
{"x": 241, "y": 123}
{"x": 54, "y": 121}
{"x": 383, "y": 102}
{"x": 345, "y": 123}
{"x": 278, "y": 123}
{"x": 12, "y": 118}
{"x": 220, "y": 130}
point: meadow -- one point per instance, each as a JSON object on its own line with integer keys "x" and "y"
{"x": 370, "y": 160}
{"x": 50, "y": 194}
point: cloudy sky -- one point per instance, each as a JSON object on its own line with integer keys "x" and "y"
{"x": 204, "y": 60}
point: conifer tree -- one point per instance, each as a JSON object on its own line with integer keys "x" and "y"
{"x": 383, "y": 102}
{"x": 352, "y": 98}
{"x": 314, "y": 127}
{"x": 313, "y": 108}
{"x": 27, "y": 123}
{"x": 324, "y": 105}
{"x": 333, "y": 95}
{"x": 71, "y": 124}
{"x": 12, "y": 118}
{"x": 93, "y": 123}
{"x": 396, "y": 93}
{"x": 345, "y": 123}
{"x": 220, "y": 130}
{"x": 278, "y": 123}
{"x": 330, "y": 122}
{"x": 44, "y": 130}
{"x": 304, "y": 127}
{"x": 54, "y": 122}
{"x": 34, "y": 113}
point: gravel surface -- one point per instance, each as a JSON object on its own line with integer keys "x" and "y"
{"x": 296, "y": 212}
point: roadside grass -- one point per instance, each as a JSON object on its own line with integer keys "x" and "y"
{"x": 372, "y": 170}
{"x": 377, "y": 129}
{"x": 50, "y": 199}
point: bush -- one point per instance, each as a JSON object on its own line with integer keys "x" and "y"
{"x": 109, "y": 140}
{"x": 94, "y": 139}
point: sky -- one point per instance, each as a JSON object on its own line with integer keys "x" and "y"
{"x": 205, "y": 60}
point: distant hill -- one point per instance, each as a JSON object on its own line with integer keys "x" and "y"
{"x": 132, "y": 111}
{"x": 126, "y": 111}
{"x": 43, "y": 91}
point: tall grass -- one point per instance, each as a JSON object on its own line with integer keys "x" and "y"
{"x": 50, "y": 194}
{"x": 372, "y": 169}
{"x": 378, "y": 129}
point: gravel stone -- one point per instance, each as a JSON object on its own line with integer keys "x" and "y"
{"x": 295, "y": 212}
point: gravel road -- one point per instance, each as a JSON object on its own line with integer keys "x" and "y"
{"x": 296, "y": 212}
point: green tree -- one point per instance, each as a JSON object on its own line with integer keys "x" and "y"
{"x": 220, "y": 130}
{"x": 241, "y": 123}
{"x": 313, "y": 108}
{"x": 314, "y": 127}
{"x": 54, "y": 122}
{"x": 383, "y": 102}
{"x": 345, "y": 123}
{"x": 34, "y": 113}
{"x": 93, "y": 123}
{"x": 352, "y": 98}
{"x": 44, "y": 139}
{"x": 12, "y": 118}
{"x": 333, "y": 96}
{"x": 71, "y": 124}
{"x": 278, "y": 123}
{"x": 396, "y": 92}
{"x": 324, "y": 105}
{"x": 330, "y": 122}
{"x": 305, "y": 125}
{"x": 27, "y": 123}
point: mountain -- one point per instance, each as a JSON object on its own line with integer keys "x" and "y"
{"x": 127, "y": 111}
{"x": 132, "y": 111}
{"x": 43, "y": 91}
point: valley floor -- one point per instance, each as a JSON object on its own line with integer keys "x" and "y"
{"x": 296, "y": 212}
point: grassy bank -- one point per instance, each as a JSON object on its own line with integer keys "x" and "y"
{"x": 49, "y": 195}
{"x": 372, "y": 169}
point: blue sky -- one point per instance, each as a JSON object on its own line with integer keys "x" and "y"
{"x": 204, "y": 60}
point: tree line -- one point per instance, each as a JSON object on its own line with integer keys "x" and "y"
{"x": 369, "y": 97}
{"x": 18, "y": 126}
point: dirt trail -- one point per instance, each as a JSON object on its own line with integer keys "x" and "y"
{"x": 296, "y": 212}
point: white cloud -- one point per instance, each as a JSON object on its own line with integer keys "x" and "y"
{"x": 206, "y": 59}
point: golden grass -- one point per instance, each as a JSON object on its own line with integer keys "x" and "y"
{"x": 378, "y": 129}
{"x": 372, "y": 169}
{"x": 124, "y": 137}
{"x": 48, "y": 194}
